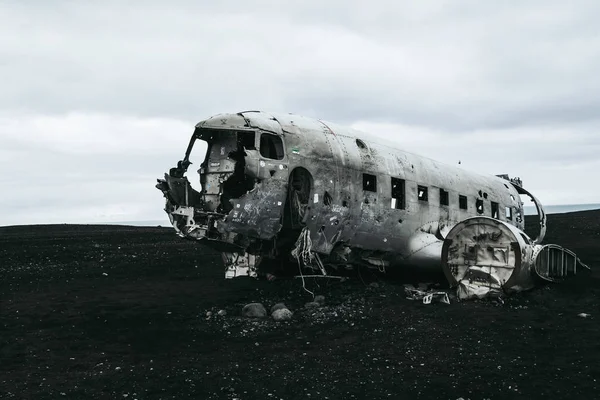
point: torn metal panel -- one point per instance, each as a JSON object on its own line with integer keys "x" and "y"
{"x": 237, "y": 265}
{"x": 554, "y": 263}
{"x": 258, "y": 213}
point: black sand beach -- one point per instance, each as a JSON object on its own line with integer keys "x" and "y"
{"x": 121, "y": 312}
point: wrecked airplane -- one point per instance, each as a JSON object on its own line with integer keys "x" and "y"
{"x": 282, "y": 187}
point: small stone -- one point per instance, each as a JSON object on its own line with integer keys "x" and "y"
{"x": 374, "y": 285}
{"x": 254, "y": 310}
{"x": 282, "y": 314}
{"x": 277, "y": 306}
{"x": 209, "y": 314}
{"x": 312, "y": 304}
{"x": 320, "y": 299}
{"x": 583, "y": 315}
{"x": 222, "y": 313}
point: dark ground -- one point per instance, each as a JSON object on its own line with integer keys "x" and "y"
{"x": 120, "y": 312}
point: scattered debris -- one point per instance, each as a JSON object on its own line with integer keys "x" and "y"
{"x": 427, "y": 296}
{"x": 438, "y": 297}
{"x": 270, "y": 277}
{"x": 476, "y": 290}
{"x": 254, "y": 310}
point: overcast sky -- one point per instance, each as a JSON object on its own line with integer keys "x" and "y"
{"x": 99, "y": 98}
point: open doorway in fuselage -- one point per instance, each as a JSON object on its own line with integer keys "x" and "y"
{"x": 297, "y": 208}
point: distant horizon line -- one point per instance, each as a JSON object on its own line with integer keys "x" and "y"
{"x": 528, "y": 209}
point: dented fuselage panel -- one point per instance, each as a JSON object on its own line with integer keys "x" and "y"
{"x": 266, "y": 178}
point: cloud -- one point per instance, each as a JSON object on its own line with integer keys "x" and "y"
{"x": 86, "y": 168}
{"x": 422, "y": 64}
{"x": 107, "y": 92}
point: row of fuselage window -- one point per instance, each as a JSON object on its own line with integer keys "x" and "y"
{"x": 398, "y": 194}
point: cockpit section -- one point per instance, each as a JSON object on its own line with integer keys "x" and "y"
{"x": 243, "y": 184}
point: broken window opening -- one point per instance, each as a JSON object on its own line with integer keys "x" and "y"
{"x": 422, "y": 193}
{"x": 462, "y": 202}
{"x": 519, "y": 217}
{"x": 495, "y": 213}
{"x": 247, "y": 140}
{"x": 479, "y": 206}
{"x": 197, "y": 154}
{"x": 444, "y": 198}
{"x": 327, "y": 199}
{"x": 508, "y": 213}
{"x": 398, "y": 194}
{"x": 369, "y": 183}
{"x": 361, "y": 145}
{"x": 271, "y": 146}
{"x": 237, "y": 185}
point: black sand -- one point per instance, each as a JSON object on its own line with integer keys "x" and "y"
{"x": 120, "y": 312}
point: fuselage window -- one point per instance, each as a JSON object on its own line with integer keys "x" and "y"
{"x": 519, "y": 217}
{"x": 327, "y": 199}
{"x": 479, "y": 206}
{"x": 271, "y": 146}
{"x": 495, "y": 210}
{"x": 462, "y": 202}
{"x": 398, "y": 191}
{"x": 444, "y": 198}
{"x": 422, "y": 193}
{"x": 369, "y": 182}
{"x": 508, "y": 213}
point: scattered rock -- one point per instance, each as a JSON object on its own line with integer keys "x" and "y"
{"x": 209, "y": 314}
{"x": 254, "y": 310}
{"x": 320, "y": 299}
{"x": 312, "y": 304}
{"x": 277, "y": 306}
{"x": 222, "y": 313}
{"x": 374, "y": 285}
{"x": 282, "y": 314}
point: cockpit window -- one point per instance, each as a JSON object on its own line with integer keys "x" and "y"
{"x": 246, "y": 140}
{"x": 271, "y": 146}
